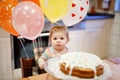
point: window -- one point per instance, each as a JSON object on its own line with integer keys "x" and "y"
{"x": 117, "y": 6}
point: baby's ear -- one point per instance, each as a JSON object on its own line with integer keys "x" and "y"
{"x": 68, "y": 39}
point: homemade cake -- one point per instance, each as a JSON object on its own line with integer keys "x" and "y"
{"x": 82, "y": 65}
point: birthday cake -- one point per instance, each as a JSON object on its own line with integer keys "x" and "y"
{"x": 81, "y": 65}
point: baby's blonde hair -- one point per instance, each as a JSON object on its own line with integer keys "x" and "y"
{"x": 59, "y": 29}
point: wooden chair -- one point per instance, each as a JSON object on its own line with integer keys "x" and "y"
{"x": 28, "y": 64}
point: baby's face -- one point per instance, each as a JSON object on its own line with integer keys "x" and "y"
{"x": 59, "y": 40}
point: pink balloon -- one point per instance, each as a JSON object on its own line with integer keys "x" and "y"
{"x": 28, "y": 19}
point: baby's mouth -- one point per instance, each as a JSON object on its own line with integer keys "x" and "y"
{"x": 58, "y": 45}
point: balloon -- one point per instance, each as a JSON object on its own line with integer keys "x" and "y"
{"x": 6, "y": 7}
{"x": 35, "y": 1}
{"x": 55, "y": 9}
{"x": 28, "y": 19}
{"x": 77, "y": 12}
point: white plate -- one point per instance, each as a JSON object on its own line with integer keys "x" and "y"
{"x": 52, "y": 66}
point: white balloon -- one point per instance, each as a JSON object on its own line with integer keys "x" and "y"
{"x": 77, "y": 12}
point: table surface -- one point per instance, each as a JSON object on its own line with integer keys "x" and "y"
{"x": 45, "y": 76}
{"x": 24, "y": 79}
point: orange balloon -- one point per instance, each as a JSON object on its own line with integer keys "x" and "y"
{"x": 35, "y": 1}
{"x": 6, "y": 7}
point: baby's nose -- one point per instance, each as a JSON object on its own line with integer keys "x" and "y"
{"x": 58, "y": 40}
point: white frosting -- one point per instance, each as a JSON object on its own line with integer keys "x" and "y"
{"x": 81, "y": 59}
{"x": 52, "y": 66}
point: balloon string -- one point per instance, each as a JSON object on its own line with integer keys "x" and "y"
{"x": 34, "y": 44}
{"x": 24, "y": 49}
{"x": 40, "y": 41}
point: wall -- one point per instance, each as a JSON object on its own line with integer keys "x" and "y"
{"x": 114, "y": 48}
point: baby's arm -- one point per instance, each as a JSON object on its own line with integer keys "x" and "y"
{"x": 41, "y": 62}
{"x": 43, "y": 58}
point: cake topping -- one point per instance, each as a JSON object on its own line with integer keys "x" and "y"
{"x": 82, "y": 60}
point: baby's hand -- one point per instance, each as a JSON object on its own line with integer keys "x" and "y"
{"x": 53, "y": 55}
{"x": 49, "y": 54}
{"x": 42, "y": 65}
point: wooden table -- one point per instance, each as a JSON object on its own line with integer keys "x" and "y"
{"x": 24, "y": 79}
{"x": 45, "y": 76}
